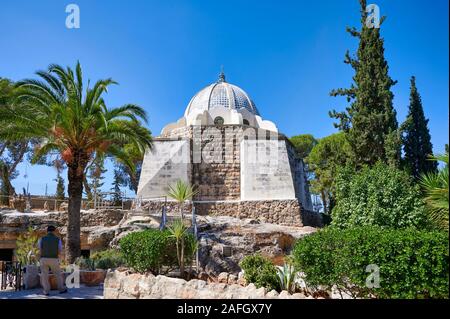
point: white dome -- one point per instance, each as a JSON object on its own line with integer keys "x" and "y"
{"x": 221, "y": 94}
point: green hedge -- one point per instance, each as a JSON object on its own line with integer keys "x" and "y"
{"x": 150, "y": 250}
{"x": 260, "y": 271}
{"x": 377, "y": 196}
{"x": 106, "y": 259}
{"x": 412, "y": 264}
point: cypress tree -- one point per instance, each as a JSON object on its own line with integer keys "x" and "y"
{"x": 60, "y": 188}
{"x": 417, "y": 145}
{"x": 117, "y": 196}
{"x": 370, "y": 120}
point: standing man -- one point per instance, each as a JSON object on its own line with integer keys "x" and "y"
{"x": 50, "y": 247}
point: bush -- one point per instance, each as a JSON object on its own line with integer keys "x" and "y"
{"x": 412, "y": 264}
{"x": 106, "y": 259}
{"x": 27, "y": 250}
{"x": 85, "y": 263}
{"x": 147, "y": 250}
{"x": 260, "y": 271}
{"x": 150, "y": 250}
{"x": 379, "y": 196}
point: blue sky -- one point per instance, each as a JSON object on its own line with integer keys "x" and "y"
{"x": 287, "y": 55}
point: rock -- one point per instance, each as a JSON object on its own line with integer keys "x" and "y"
{"x": 18, "y": 203}
{"x": 31, "y": 277}
{"x": 223, "y": 277}
{"x": 203, "y": 276}
{"x": 130, "y": 286}
{"x": 64, "y": 207}
{"x": 285, "y": 295}
{"x": 232, "y": 279}
{"x": 298, "y": 296}
{"x": 272, "y": 294}
{"x": 242, "y": 281}
{"x": 246, "y": 237}
{"x": 99, "y": 237}
{"x": 122, "y": 285}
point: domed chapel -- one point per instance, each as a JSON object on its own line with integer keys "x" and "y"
{"x": 238, "y": 162}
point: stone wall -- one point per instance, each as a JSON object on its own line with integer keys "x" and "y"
{"x": 218, "y": 180}
{"x": 123, "y": 285}
{"x": 282, "y": 212}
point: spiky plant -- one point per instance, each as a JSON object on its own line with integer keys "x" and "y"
{"x": 72, "y": 120}
{"x": 286, "y": 276}
{"x": 178, "y": 230}
{"x": 435, "y": 186}
{"x": 181, "y": 192}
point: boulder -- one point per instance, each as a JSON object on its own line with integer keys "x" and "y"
{"x": 223, "y": 277}
{"x": 124, "y": 285}
{"x": 64, "y": 207}
{"x": 31, "y": 277}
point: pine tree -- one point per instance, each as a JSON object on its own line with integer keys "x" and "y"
{"x": 96, "y": 175}
{"x": 416, "y": 137}
{"x": 117, "y": 181}
{"x": 370, "y": 120}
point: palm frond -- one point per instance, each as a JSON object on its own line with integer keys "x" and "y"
{"x": 435, "y": 187}
{"x": 181, "y": 191}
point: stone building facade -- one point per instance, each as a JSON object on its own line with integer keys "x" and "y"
{"x": 239, "y": 163}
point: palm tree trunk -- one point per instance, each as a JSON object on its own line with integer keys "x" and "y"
{"x": 75, "y": 190}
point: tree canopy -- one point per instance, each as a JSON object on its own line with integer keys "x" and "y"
{"x": 416, "y": 137}
{"x": 370, "y": 119}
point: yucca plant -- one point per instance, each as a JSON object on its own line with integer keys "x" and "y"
{"x": 181, "y": 192}
{"x": 178, "y": 231}
{"x": 193, "y": 246}
{"x": 286, "y": 276}
{"x": 435, "y": 186}
{"x": 72, "y": 121}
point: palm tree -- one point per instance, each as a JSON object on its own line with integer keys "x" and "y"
{"x": 436, "y": 193}
{"x": 75, "y": 123}
{"x": 181, "y": 192}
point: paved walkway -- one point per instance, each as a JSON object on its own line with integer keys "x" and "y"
{"x": 75, "y": 293}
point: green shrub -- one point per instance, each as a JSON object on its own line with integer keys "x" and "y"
{"x": 85, "y": 263}
{"x": 378, "y": 196}
{"x": 27, "y": 250}
{"x": 412, "y": 263}
{"x": 260, "y": 271}
{"x": 147, "y": 250}
{"x": 150, "y": 250}
{"x": 106, "y": 259}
